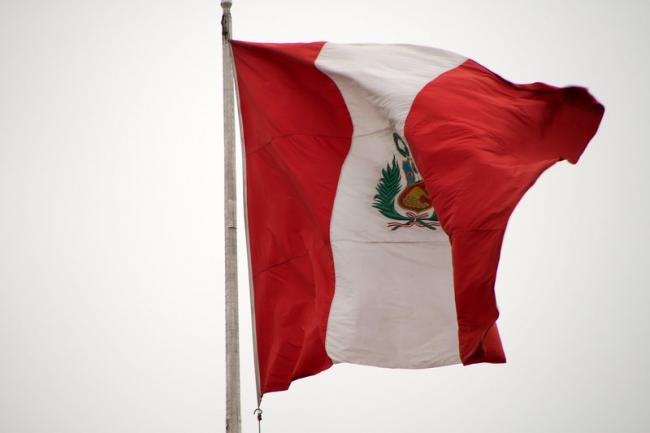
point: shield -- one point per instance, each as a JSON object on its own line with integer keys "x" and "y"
{"x": 415, "y": 197}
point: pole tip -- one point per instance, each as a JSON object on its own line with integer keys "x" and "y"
{"x": 226, "y": 3}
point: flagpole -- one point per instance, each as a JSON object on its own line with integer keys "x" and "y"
{"x": 233, "y": 399}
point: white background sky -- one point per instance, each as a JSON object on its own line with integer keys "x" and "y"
{"x": 111, "y": 293}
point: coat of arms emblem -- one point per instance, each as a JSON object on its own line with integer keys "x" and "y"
{"x": 407, "y": 205}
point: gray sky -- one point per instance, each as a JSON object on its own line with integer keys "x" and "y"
{"x": 111, "y": 224}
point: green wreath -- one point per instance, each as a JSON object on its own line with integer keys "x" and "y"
{"x": 388, "y": 187}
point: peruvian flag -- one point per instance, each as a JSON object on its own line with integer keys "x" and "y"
{"x": 379, "y": 182}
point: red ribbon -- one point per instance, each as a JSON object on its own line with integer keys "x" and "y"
{"x": 414, "y": 220}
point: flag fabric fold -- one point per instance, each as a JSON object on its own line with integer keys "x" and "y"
{"x": 379, "y": 183}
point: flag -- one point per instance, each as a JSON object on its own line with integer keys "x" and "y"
{"x": 379, "y": 180}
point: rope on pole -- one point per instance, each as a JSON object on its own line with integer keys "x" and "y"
{"x": 258, "y": 412}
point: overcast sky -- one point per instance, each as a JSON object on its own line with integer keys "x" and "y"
{"x": 111, "y": 293}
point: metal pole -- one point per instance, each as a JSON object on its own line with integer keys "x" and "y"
{"x": 233, "y": 400}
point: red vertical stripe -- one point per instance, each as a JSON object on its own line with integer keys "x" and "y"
{"x": 481, "y": 142}
{"x": 297, "y": 133}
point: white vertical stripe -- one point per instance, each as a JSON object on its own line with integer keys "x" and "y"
{"x": 394, "y": 303}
